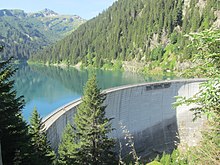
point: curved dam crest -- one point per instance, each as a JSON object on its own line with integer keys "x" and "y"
{"x": 147, "y": 112}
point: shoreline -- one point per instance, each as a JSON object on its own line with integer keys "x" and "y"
{"x": 127, "y": 66}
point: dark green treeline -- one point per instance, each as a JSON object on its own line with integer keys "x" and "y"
{"x": 14, "y": 136}
{"x": 20, "y": 143}
{"x": 131, "y": 30}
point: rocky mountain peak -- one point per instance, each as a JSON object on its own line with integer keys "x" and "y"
{"x": 48, "y": 12}
{"x": 5, "y": 12}
{"x": 45, "y": 13}
{"x": 12, "y": 13}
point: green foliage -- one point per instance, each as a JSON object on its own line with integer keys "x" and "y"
{"x": 170, "y": 159}
{"x": 173, "y": 38}
{"x": 14, "y": 131}
{"x": 43, "y": 154}
{"x": 207, "y": 64}
{"x": 207, "y": 57}
{"x": 208, "y": 150}
{"x": 24, "y": 34}
{"x": 154, "y": 163}
{"x": 207, "y": 99}
{"x": 157, "y": 53}
{"x": 117, "y": 65}
{"x": 169, "y": 58}
{"x": 68, "y": 147}
{"x": 107, "y": 66}
{"x": 87, "y": 142}
{"x": 131, "y": 30}
{"x": 19, "y": 146}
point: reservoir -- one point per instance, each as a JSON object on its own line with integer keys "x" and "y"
{"x": 48, "y": 88}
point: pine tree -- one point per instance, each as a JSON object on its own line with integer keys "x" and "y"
{"x": 43, "y": 153}
{"x": 14, "y": 130}
{"x": 89, "y": 133}
{"x": 195, "y": 20}
{"x": 128, "y": 31}
{"x": 68, "y": 147}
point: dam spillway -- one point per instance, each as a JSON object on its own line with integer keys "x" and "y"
{"x": 147, "y": 112}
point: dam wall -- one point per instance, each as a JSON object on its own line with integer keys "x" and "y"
{"x": 146, "y": 111}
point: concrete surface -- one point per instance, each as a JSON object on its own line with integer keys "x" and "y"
{"x": 147, "y": 112}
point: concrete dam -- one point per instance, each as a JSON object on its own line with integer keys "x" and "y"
{"x": 147, "y": 112}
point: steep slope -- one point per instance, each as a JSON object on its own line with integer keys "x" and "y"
{"x": 129, "y": 29}
{"x": 52, "y": 22}
{"x": 23, "y": 33}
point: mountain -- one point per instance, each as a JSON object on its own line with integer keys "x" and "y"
{"x": 45, "y": 13}
{"x": 140, "y": 30}
{"x": 24, "y": 33}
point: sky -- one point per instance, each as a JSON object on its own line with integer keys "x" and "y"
{"x": 87, "y": 9}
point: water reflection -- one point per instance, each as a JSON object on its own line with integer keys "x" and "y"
{"x": 48, "y": 88}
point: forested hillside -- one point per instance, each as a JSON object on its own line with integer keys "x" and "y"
{"x": 24, "y": 33}
{"x": 140, "y": 30}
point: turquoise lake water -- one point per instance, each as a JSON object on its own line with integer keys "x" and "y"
{"x": 48, "y": 88}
